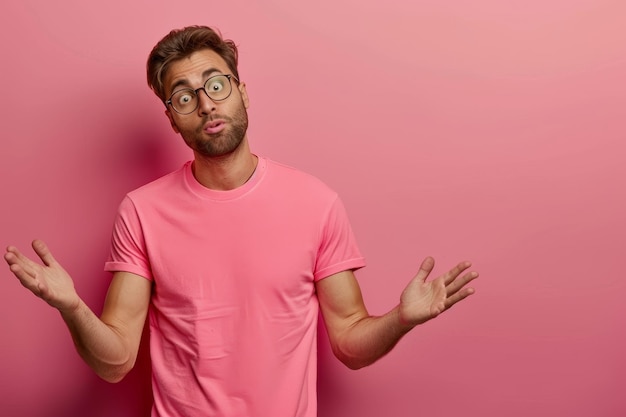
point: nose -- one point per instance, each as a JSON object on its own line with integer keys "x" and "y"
{"x": 205, "y": 104}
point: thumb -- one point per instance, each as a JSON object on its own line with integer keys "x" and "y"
{"x": 425, "y": 269}
{"x": 41, "y": 249}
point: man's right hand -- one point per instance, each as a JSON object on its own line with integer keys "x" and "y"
{"x": 49, "y": 281}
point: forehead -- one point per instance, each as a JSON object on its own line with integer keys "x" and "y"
{"x": 193, "y": 70}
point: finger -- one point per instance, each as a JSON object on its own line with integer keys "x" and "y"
{"x": 456, "y": 271}
{"x": 26, "y": 278}
{"x": 458, "y": 296}
{"x": 425, "y": 269}
{"x": 461, "y": 282}
{"x": 41, "y": 249}
{"x": 15, "y": 257}
{"x": 8, "y": 256}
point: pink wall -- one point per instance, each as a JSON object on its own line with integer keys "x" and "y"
{"x": 460, "y": 129}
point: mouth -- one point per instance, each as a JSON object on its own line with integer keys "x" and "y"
{"x": 214, "y": 126}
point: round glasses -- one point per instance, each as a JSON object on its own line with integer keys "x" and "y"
{"x": 217, "y": 88}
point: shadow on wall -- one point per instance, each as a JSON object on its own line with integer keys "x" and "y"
{"x": 132, "y": 151}
{"x": 110, "y": 153}
{"x": 338, "y": 388}
{"x": 132, "y": 397}
{"x": 140, "y": 147}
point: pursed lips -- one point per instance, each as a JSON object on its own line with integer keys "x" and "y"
{"x": 214, "y": 126}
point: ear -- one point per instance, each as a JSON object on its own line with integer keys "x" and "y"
{"x": 172, "y": 122}
{"x": 244, "y": 95}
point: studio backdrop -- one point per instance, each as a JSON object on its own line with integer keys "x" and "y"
{"x": 482, "y": 130}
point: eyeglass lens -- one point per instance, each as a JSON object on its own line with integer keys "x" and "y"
{"x": 186, "y": 100}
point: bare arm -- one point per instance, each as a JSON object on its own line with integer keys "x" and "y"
{"x": 109, "y": 344}
{"x": 359, "y": 339}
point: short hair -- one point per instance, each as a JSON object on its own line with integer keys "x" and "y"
{"x": 179, "y": 44}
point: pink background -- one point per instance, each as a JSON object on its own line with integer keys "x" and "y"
{"x": 483, "y": 130}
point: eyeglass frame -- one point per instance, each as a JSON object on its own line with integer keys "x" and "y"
{"x": 168, "y": 102}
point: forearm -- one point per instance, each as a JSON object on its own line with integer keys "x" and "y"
{"x": 359, "y": 339}
{"x": 108, "y": 345}
{"x": 99, "y": 344}
{"x": 369, "y": 339}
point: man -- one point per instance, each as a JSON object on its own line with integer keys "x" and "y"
{"x": 231, "y": 257}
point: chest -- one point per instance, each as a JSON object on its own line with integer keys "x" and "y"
{"x": 217, "y": 255}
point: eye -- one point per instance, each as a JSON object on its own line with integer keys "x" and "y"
{"x": 215, "y": 86}
{"x": 185, "y": 97}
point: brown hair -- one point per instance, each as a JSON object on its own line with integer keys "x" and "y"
{"x": 179, "y": 44}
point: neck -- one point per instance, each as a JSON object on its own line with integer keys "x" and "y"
{"x": 225, "y": 172}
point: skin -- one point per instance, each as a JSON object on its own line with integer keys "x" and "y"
{"x": 223, "y": 161}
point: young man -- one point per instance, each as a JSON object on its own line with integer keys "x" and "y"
{"x": 231, "y": 257}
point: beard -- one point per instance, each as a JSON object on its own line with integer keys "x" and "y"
{"x": 222, "y": 143}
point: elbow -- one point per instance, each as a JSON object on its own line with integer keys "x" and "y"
{"x": 112, "y": 378}
{"x": 353, "y": 362}
{"x": 113, "y": 374}
{"x": 353, "y": 365}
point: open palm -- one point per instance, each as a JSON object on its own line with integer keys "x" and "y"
{"x": 49, "y": 281}
{"x": 423, "y": 300}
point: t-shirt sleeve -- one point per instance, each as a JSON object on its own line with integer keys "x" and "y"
{"x": 128, "y": 248}
{"x": 338, "y": 250}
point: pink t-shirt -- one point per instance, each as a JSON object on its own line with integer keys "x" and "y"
{"x": 233, "y": 315}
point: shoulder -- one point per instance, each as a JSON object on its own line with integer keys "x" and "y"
{"x": 167, "y": 190}
{"x": 161, "y": 186}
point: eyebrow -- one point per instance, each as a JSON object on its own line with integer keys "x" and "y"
{"x": 184, "y": 82}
